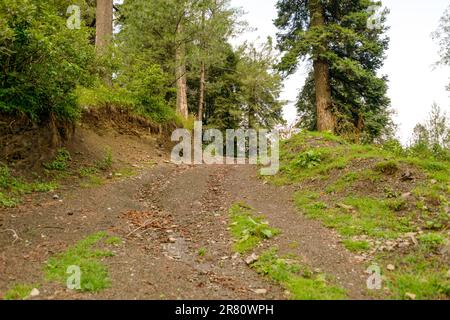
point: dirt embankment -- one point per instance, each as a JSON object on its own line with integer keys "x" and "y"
{"x": 25, "y": 146}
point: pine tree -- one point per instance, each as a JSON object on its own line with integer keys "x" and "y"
{"x": 343, "y": 92}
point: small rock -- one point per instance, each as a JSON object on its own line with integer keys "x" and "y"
{"x": 406, "y": 195}
{"x": 110, "y": 176}
{"x": 55, "y": 197}
{"x": 433, "y": 181}
{"x": 260, "y": 291}
{"x": 407, "y": 176}
{"x": 410, "y": 296}
{"x": 34, "y": 293}
{"x": 251, "y": 259}
{"x": 390, "y": 267}
{"x": 235, "y": 256}
{"x": 224, "y": 258}
{"x": 172, "y": 240}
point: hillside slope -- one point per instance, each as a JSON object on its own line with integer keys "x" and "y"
{"x": 390, "y": 209}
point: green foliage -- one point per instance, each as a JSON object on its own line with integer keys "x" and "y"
{"x": 419, "y": 273}
{"x": 60, "y": 162}
{"x": 18, "y": 292}
{"x": 107, "y": 162}
{"x": 94, "y": 274}
{"x": 202, "y": 252}
{"x": 11, "y": 188}
{"x": 297, "y": 279}
{"x": 42, "y": 61}
{"x": 308, "y": 159}
{"x": 432, "y": 241}
{"x": 431, "y": 139}
{"x": 247, "y": 229}
{"x": 354, "y": 54}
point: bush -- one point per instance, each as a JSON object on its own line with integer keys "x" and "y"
{"x": 42, "y": 61}
{"x": 308, "y": 159}
{"x": 61, "y": 161}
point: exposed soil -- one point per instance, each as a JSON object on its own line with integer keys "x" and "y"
{"x": 187, "y": 207}
{"x": 165, "y": 214}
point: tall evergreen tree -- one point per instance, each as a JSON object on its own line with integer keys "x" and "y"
{"x": 343, "y": 92}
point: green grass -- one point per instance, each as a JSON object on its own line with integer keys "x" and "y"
{"x": 370, "y": 216}
{"x": 92, "y": 180}
{"x": 418, "y": 273}
{"x": 247, "y": 229}
{"x": 356, "y": 246}
{"x": 332, "y": 192}
{"x": 94, "y": 274}
{"x": 114, "y": 240}
{"x": 297, "y": 279}
{"x": 12, "y": 189}
{"x": 201, "y": 252}
{"x": 389, "y": 167}
{"x": 18, "y": 292}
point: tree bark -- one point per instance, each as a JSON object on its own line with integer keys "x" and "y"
{"x": 104, "y": 30}
{"x": 325, "y": 118}
{"x": 104, "y": 24}
{"x": 180, "y": 73}
{"x": 201, "y": 99}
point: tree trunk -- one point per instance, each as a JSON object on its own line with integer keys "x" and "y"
{"x": 104, "y": 29}
{"x": 180, "y": 73}
{"x": 325, "y": 118}
{"x": 201, "y": 99}
{"x": 104, "y": 24}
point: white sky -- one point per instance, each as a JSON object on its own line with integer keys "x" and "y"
{"x": 414, "y": 84}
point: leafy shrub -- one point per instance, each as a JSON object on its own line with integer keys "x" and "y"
{"x": 308, "y": 159}
{"x": 42, "y": 61}
{"x": 61, "y": 161}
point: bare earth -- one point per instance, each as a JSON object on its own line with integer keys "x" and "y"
{"x": 187, "y": 209}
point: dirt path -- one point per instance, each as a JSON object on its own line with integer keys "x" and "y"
{"x": 189, "y": 205}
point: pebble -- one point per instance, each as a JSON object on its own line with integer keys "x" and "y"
{"x": 55, "y": 197}
{"x": 251, "y": 259}
{"x": 390, "y": 267}
{"x": 260, "y": 291}
{"x": 410, "y": 296}
{"x": 34, "y": 293}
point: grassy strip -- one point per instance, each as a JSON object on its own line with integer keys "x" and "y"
{"x": 12, "y": 189}
{"x": 299, "y": 280}
{"x": 94, "y": 274}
